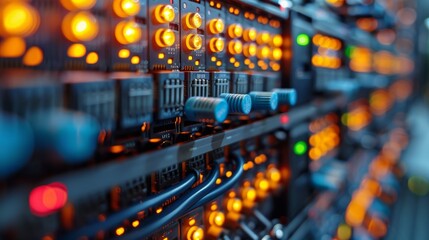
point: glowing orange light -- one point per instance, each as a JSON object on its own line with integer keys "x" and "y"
{"x": 124, "y": 53}
{"x": 165, "y": 37}
{"x": 250, "y": 34}
{"x": 194, "y": 42}
{"x": 92, "y": 58}
{"x": 119, "y": 231}
{"x": 195, "y": 233}
{"x": 135, "y": 223}
{"x": 18, "y": 19}
{"x": 216, "y": 26}
{"x": 235, "y": 31}
{"x": 33, "y": 56}
{"x": 234, "y": 204}
{"x": 235, "y": 47}
{"x": 164, "y": 13}
{"x": 217, "y": 45}
{"x": 217, "y": 218}
{"x": 12, "y": 47}
{"x": 191, "y": 222}
{"x": 80, "y": 26}
{"x": 76, "y": 50}
{"x": 262, "y": 184}
{"x": 126, "y": 8}
{"x": 128, "y": 32}
{"x": 249, "y": 193}
{"x": 47, "y": 199}
{"x": 193, "y": 20}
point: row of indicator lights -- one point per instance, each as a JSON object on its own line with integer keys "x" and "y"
{"x": 357, "y": 118}
{"x": 326, "y": 61}
{"x": 327, "y": 42}
{"x": 323, "y": 142}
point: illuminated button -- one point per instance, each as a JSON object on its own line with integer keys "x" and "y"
{"x": 12, "y": 47}
{"x": 78, "y": 4}
{"x": 262, "y": 184}
{"x": 128, "y": 32}
{"x": 234, "y": 205}
{"x": 250, "y": 34}
{"x": 195, "y": 233}
{"x": 193, "y": 20}
{"x": 249, "y": 194}
{"x": 286, "y": 96}
{"x": 238, "y": 103}
{"x": 264, "y": 100}
{"x": 76, "y": 50}
{"x": 80, "y": 26}
{"x": 263, "y": 52}
{"x": 216, "y": 26}
{"x": 277, "y": 40}
{"x": 217, "y": 218}
{"x": 235, "y": 47}
{"x": 263, "y": 38}
{"x": 250, "y": 50}
{"x": 194, "y": 42}
{"x": 126, "y": 8}
{"x": 164, "y": 14}
{"x": 18, "y": 19}
{"x": 33, "y": 56}
{"x": 206, "y": 109}
{"x": 276, "y": 54}
{"x": 217, "y": 44}
{"x": 235, "y": 31}
{"x": 165, "y": 37}
{"x": 273, "y": 174}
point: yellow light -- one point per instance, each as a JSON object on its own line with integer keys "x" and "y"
{"x": 164, "y": 13}
{"x": 165, "y": 37}
{"x": 80, "y": 26}
{"x": 128, "y": 32}
{"x": 275, "y": 66}
{"x": 250, "y": 50}
{"x": 193, "y": 20}
{"x": 159, "y": 210}
{"x": 135, "y": 223}
{"x": 119, "y": 231}
{"x": 194, "y": 42}
{"x": 170, "y": 61}
{"x": 126, "y": 8}
{"x": 219, "y": 63}
{"x": 124, "y": 53}
{"x": 195, "y": 233}
{"x": 197, "y": 63}
{"x": 249, "y": 193}
{"x": 218, "y": 5}
{"x": 76, "y": 50}
{"x": 217, "y": 44}
{"x": 228, "y": 174}
{"x": 277, "y": 40}
{"x": 263, "y": 52}
{"x": 235, "y": 47}
{"x": 235, "y": 31}
{"x": 237, "y": 64}
{"x": 263, "y": 38}
{"x": 33, "y": 56}
{"x": 191, "y": 222}
{"x": 250, "y": 34}
{"x": 213, "y": 59}
{"x": 92, "y": 58}
{"x": 276, "y": 54}
{"x": 135, "y": 60}
{"x": 78, "y": 4}
{"x": 234, "y": 205}
{"x": 18, "y": 19}
{"x": 217, "y": 218}
{"x": 262, "y": 184}
{"x": 216, "y": 26}
{"x": 273, "y": 174}
{"x": 190, "y": 58}
{"x": 12, "y": 47}
{"x": 251, "y": 65}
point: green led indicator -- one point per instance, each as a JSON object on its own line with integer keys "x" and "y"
{"x": 349, "y": 51}
{"x": 302, "y": 39}
{"x": 300, "y": 148}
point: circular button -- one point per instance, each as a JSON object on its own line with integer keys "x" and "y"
{"x": 216, "y": 26}
{"x": 276, "y": 54}
{"x": 217, "y": 44}
{"x": 80, "y": 26}
{"x": 193, "y": 20}
{"x": 277, "y": 40}
{"x": 125, "y": 8}
{"x": 164, "y": 13}
{"x": 165, "y": 37}
{"x": 235, "y": 31}
{"x": 250, "y": 34}
{"x": 128, "y": 32}
{"x": 194, "y": 42}
{"x": 235, "y": 47}
{"x": 263, "y": 38}
{"x": 250, "y": 50}
{"x": 264, "y": 52}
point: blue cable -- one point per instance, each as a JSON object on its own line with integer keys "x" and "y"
{"x": 117, "y": 218}
{"x": 155, "y": 222}
{"x": 223, "y": 188}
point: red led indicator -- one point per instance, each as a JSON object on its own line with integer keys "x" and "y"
{"x": 47, "y": 199}
{"x": 284, "y": 119}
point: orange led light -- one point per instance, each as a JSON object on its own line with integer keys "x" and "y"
{"x": 234, "y": 205}
{"x": 262, "y": 184}
{"x": 277, "y": 40}
{"x": 263, "y": 38}
{"x": 76, "y": 50}
{"x": 124, "y": 53}
{"x": 250, "y": 34}
{"x": 263, "y": 52}
{"x": 248, "y": 193}
{"x": 216, "y": 26}
{"x": 33, "y": 57}
{"x": 235, "y": 31}
{"x": 191, "y": 222}
{"x": 235, "y": 47}
{"x": 92, "y": 58}
{"x": 12, "y": 47}
{"x": 165, "y": 37}
{"x": 119, "y": 231}
{"x": 276, "y": 54}
{"x": 217, "y": 218}
{"x": 250, "y": 50}
{"x": 135, "y": 223}
{"x": 195, "y": 233}
{"x": 128, "y": 32}
{"x": 164, "y": 14}
{"x": 80, "y": 26}
{"x": 194, "y": 42}
{"x": 217, "y": 44}
{"x": 193, "y": 20}
{"x": 273, "y": 174}
{"x": 135, "y": 60}
{"x": 126, "y": 8}
{"x": 18, "y": 19}
{"x": 78, "y": 4}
